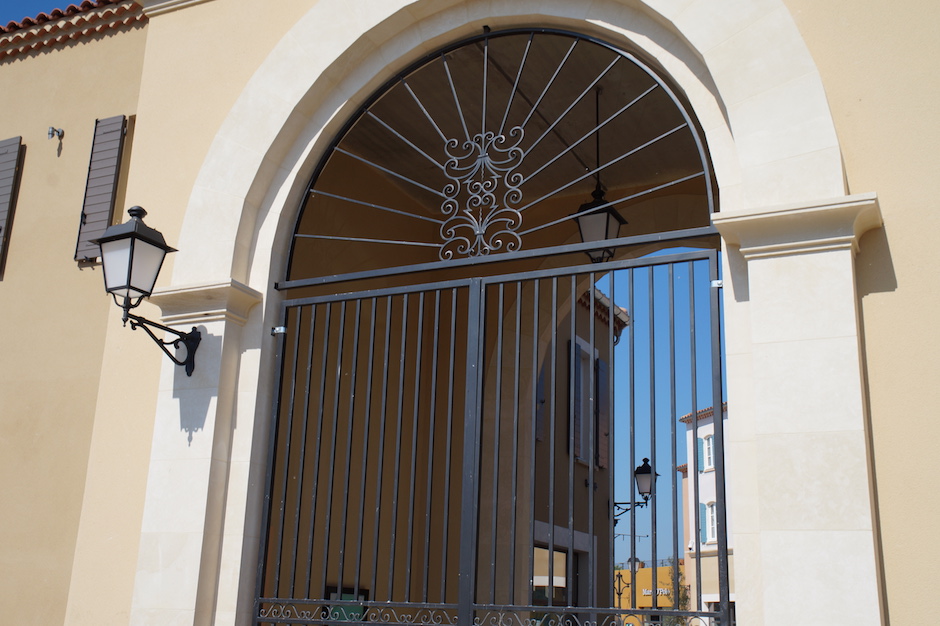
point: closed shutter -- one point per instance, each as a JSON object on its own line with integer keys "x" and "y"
{"x": 576, "y": 382}
{"x": 541, "y": 406}
{"x": 10, "y": 151}
{"x": 101, "y": 188}
{"x": 603, "y": 413}
{"x": 703, "y": 523}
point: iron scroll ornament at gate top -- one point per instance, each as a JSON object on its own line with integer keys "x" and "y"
{"x": 643, "y": 475}
{"x": 132, "y": 254}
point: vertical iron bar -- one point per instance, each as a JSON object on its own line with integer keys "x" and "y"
{"x": 517, "y": 352}
{"x": 303, "y": 450}
{"x": 398, "y": 440}
{"x": 353, "y": 370}
{"x": 380, "y": 462}
{"x": 486, "y": 61}
{"x": 654, "y": 503}
{"x": 724, "y": 592}
{"x": 370, "y": 369}
{"x": 592, "y": 443}
{"x": 696, "y": 496}
{"x": 672, "y": 437}
{"x": 432, "y": 421}
{"x": 445, "y": 546}
{"x": 500, "y": 301}
{"x": 611, "y": 427}
{"x": 553, "y": 352}
{"x": 533, "y": 439}
{"x": 631, "y": 359}
{"x": 263, "y": 544}
{"x": 572, "y": 356}
{"x": 332, "y": 458}
{"x": 468, "y": 517}
{"x": 409, "y": 554}
{"x": 316, "y": 453}
{"x": 287, "y": 432}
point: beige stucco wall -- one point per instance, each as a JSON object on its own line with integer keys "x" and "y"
{"x": 878, "y": 63}
{"x": 53, "y": 314}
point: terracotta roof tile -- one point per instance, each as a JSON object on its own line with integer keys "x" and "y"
{"x": 55, "y": 14}
{"x": 59, "y": 26}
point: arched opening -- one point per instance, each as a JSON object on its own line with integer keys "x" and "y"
{"x": 458, "y": 425}
{"x": 491, "y": 145}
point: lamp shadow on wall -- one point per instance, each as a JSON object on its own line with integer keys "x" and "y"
{"x": 195, "y": 393}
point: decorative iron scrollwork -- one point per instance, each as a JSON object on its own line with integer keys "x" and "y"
{"x": 481, "y": 195}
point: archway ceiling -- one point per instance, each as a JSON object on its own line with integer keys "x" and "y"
{"x": 558, "y": 89}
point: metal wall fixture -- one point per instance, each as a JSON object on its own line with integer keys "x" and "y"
{"x": 55, "y": 132}
{"x": 132, "y": 254}
{"x": 643, "y": 475}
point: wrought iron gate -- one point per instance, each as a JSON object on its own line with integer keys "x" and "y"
{"x": 465, "y": 451}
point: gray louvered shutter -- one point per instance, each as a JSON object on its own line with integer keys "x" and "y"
{"x": 10, "y": 150}
{"x": 703, "y": 523}
{"x": 101, "y": 188}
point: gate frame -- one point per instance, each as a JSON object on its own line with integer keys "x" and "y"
{"x": 468, "y": 561}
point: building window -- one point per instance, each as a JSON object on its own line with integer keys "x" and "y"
{"x": 708, "y": 452}
{"x": 551, "y": 591}
{"x": 711, "y": 519}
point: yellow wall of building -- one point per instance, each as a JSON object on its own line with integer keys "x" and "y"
{"x": 53, "y": 314}
{"x": 878, "y": 64}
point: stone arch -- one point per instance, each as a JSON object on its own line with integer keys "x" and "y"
{"x": 749, "y": 77}
{"x": 743, "y": 66}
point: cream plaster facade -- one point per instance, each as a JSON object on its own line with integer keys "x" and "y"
{"x": 133, "y": 492}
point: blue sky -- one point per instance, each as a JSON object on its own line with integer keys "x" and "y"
{"x": 16, "y": 10}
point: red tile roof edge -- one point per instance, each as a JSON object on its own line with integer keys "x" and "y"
{"x": 42, "y": 18}
{"x": 704, "y": 413}
{"x": 75, "y": 22}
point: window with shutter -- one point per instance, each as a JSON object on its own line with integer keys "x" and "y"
{"x": 101, "y": 187}
{"x": 10, "y": 163}
{"x": 712, "y": 527}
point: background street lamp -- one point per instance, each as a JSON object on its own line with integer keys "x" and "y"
{"x": 643, "y": 475}
{"x": 132, "y": 254}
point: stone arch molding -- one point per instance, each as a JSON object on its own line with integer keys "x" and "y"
{"x": 742, "y": 64}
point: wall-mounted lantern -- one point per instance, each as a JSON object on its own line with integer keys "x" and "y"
{"x": 643, "y": 475}
{"x": 132, "y": 254}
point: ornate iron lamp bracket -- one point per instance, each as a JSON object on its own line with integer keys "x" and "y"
{"x": 189, "y": 340}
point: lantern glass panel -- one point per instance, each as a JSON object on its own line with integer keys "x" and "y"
{"x": 148, "y": 259}
{"x": 644, "y": 483}
{"x": 593, "y": 226}
{"x": 115, "y": 258}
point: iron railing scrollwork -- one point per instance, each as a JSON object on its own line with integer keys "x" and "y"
{"x": 483, "y": 190}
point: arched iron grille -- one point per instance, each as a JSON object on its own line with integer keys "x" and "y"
{"x": 491, "y": 145}
{"x": 457, "y": 445}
